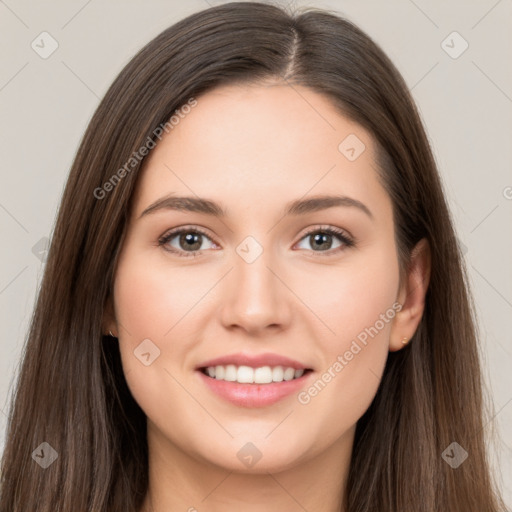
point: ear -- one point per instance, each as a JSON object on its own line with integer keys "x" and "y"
{"x": 412, "y": 296}
{"x": 109, "y": 322}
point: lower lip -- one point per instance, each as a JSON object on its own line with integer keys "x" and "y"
{"x": 254, "y": 395}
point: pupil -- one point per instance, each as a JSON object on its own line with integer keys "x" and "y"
{"x": 191, "y": 240}
{"x": 320, "y": 239}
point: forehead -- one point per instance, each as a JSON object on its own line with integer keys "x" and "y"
{"x": 260, "y": 144}
{"x": 287, "y": 120}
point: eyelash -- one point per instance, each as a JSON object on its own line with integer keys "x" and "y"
{"x": 340, "y": 234}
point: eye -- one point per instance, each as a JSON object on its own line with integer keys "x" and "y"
{"x": 322, "y": 238}
{"x": 188, "y": 241}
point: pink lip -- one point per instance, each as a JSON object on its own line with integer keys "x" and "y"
{"x": 253, "y": 395}
{"x": 254, "y": 361}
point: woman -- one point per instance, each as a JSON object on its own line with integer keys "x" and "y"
{"x": 316, "y": 351}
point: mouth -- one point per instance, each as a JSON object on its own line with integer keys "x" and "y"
{"x": 248, "y": 375}
{"x": 244, "y": 386}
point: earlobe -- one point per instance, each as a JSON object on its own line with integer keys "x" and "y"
{"x": 412, "y": 296}
{"x": 109, "y": 324}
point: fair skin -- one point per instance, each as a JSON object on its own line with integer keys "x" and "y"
{"x": 253, "y": 149}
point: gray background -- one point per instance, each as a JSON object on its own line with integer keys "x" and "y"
{"x": 465, "y": 102}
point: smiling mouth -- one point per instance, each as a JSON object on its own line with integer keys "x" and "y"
{"x": 248, "y": 375}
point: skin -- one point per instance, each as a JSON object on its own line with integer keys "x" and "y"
{"x": 253, "y": 149}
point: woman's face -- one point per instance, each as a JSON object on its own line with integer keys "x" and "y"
{"x": 257, "y": 281}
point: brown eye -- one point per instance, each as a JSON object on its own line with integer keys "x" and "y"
{"x": 184, "y": 242}
{"x": 321, "y": 240}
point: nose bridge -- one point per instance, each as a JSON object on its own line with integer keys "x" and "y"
{"x": 255, "y": 299}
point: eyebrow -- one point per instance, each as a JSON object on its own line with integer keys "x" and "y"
{"x": 297, "y": 207}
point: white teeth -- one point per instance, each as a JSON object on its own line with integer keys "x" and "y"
{"x": 245, "y": 374}
{"x": 263, "y": 375}
{"x": 289, "y": 374}
{"x": 231, "y": 373}
{"x": 277, "y": 374}
{"x": 219, "y": 372}
{"x": 248, "y": 375}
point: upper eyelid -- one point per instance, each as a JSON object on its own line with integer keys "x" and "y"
{"x": 177, "y": 231}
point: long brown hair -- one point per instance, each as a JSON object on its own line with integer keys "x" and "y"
{"x": 71, "y": 392}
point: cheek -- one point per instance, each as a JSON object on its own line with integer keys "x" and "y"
{"x": 154, "y": 301}
{"x": 151, "y": 298}
{"x": 356, "y": 303}
{"x": 139, "y": 301}
{"x": 351, "y": 297}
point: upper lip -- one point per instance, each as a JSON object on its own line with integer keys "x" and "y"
{"x": 254, "y": 361}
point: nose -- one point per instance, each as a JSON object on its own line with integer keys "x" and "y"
{"x": 255, "y": 298}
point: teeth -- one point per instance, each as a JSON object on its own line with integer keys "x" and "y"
{"x": 248, "y": 375}
{"x": 230, "y": 373}
{"x": 277, "y": 374}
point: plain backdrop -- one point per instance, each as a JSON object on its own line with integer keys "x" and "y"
{"x": 455, "y": 56}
